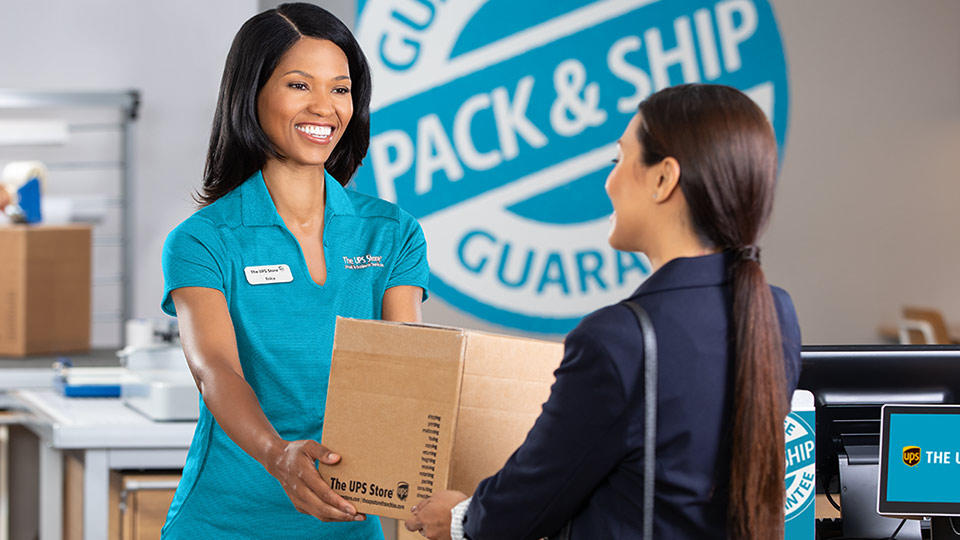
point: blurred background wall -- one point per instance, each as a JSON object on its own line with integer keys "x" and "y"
{"x": 866, "y": 217}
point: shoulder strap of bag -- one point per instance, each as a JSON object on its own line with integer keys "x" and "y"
{"x": 650, "y": 413}
{"x": 649, "y": 421}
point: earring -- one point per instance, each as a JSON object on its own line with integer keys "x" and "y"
{"x": 654, "y": 196}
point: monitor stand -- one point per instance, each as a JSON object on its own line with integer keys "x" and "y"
{"x": 942, "y": 529}
{"x": 859, "y": 473}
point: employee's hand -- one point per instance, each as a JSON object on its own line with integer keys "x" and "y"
{"x": 293, "y": 465}
{"x": 432, "y": 516}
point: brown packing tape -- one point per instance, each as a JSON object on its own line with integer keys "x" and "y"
{"x": 512, "y": 357}
{"x": 502, "y": 393}
{"x": 401, "y": 339}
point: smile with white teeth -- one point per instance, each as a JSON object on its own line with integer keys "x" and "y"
{"x": 315, "y": 131}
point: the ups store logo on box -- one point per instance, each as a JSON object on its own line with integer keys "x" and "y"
{"x": 911, "y": 455}
{"x": 415, "y": 409}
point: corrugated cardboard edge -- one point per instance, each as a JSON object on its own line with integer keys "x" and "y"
{"x": 414, "y": 324}
{"x": 448, "y": 466}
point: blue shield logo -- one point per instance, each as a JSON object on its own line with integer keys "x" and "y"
{"x": 495, "y": 127}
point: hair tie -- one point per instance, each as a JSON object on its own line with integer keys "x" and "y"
{"x": 748, "y": 253}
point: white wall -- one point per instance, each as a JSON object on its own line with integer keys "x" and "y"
{"x": 173, "y": 52}
{"x": 345, "y": 10}
{"x": 867, "y": 213}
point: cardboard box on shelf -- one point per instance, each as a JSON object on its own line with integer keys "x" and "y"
{"x": 44, "y": 289}
{"x": 416, "y": 409}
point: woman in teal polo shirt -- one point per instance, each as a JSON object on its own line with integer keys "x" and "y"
{"x": 259, "y": 274}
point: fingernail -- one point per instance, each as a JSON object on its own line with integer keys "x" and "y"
{"x": 359, "y": 517}
{"x": 348, "y": 510}
{"x": 333, "y": 456}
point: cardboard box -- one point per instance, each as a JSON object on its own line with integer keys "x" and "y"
{"x": 44, "y": 289}
{"x": 416, "y": 409}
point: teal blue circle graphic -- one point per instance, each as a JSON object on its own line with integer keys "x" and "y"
{"x": 797, "y": 460}
{"x": 474, "y": 98}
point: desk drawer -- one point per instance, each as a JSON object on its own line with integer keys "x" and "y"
{"x": 144, "y": 501}
{"x": 139, "y": 501}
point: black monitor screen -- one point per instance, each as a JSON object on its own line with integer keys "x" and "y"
{"x": 851, "y": 383}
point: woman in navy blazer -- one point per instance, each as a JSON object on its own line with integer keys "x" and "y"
{"x": 692, "y": 189}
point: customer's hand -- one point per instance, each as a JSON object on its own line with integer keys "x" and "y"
{"x": 432, "y": 516}
{"x": 294, "y": 466}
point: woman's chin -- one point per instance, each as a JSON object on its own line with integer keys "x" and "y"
{"x": 616, "y": 242}
{"x": 622, "y": 242}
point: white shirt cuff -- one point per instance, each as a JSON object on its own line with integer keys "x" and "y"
{"x": 457, "y": 513}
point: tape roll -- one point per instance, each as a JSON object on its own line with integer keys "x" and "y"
{"x": 18, "y": 173}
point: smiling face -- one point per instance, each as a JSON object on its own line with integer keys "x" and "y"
{"x": 305, "y": 105}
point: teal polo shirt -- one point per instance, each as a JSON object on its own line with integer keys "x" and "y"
{"x": 284, "y": 329}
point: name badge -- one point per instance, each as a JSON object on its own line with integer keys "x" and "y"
{"x": 271, "y": 273}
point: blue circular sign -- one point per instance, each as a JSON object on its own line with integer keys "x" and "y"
{"x": 801, "y": 465}
{"x": 495, "y": 126}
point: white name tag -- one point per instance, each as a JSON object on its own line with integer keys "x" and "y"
{"x": 271, "y": 273}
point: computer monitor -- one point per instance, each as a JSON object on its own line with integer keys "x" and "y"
{"x": 919, "y": 461}
{"x": 850, "y": 384}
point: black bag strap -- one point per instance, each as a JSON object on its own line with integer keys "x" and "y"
{"x": 650, "y": 413}
{"x": 649, "y": 421}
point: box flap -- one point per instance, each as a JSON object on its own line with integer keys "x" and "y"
{"x": 506, "y": 380}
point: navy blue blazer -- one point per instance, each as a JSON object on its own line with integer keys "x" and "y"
{"x": 583, "y": 459}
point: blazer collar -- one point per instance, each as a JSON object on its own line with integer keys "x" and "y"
{"x": 258, "y": 208}
{"x": 687, "y": 272}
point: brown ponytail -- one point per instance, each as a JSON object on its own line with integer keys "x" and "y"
{"x": 728, "y": 162}
{"x": 759, "y": 405}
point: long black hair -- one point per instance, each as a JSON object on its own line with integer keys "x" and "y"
{"x": 728, "y": 164}
{"x": 238, "y": 145}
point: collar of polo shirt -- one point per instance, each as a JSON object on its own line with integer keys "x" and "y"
{"x": 259, "y": 211}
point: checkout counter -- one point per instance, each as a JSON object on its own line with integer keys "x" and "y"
{"x": 87, "y": 447}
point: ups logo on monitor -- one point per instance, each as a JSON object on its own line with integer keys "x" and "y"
{"x": 911, "y": 455}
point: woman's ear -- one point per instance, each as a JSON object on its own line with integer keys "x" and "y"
{"x": 669, "y": 177}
